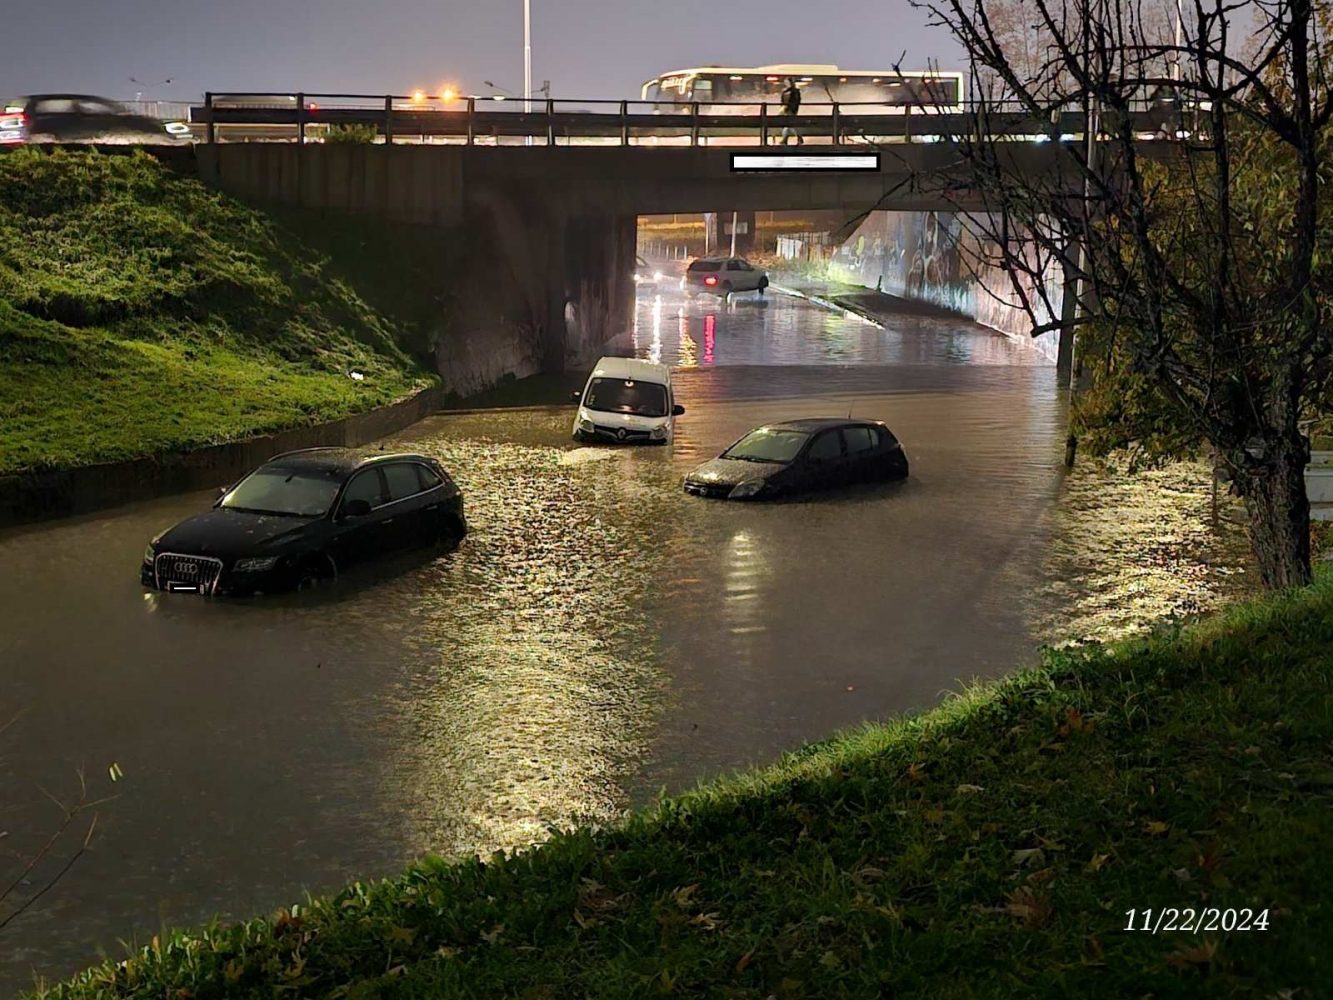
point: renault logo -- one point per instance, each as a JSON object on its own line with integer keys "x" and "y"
{"x": 621, "y": 434}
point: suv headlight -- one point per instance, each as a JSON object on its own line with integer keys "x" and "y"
{"x": 585, "y": 424}
{"x": 256, "y": 565}
{"x": 746, "y": 489}
{"x": 149, "y": 555}
{"x": 658, "y": 433}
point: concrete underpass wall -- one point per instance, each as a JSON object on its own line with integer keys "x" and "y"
{"x": 926, "y": 257}
{"x": 542, "y": 281}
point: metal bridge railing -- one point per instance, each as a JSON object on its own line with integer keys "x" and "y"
{"x": 474, "y": 120}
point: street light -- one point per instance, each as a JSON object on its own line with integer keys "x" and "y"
{"x": 147, "y": 86}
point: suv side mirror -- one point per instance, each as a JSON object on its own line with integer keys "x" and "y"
{"x": 677, "y": 410}
{"x": 354, "y": 508}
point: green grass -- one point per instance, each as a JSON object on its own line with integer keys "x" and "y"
{"x": 990, "y": 847}
{"x": 141, "y": 312}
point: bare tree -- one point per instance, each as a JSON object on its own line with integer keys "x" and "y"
{"x": 1194, "y": 267}
{"x": 35, "y": 874}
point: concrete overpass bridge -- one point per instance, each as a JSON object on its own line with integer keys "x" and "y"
{"x": 560, "y": 214}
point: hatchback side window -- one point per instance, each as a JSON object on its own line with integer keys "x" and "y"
{"x": 886, "y": 438}
{"x": 365, "y": 486}
{"x": 733, "y": 265}
{"x": 55, "y": 106}
{"x": 402, "y": 480}
{"x": 859, "y": 439}
{"x": 825, "y": 448}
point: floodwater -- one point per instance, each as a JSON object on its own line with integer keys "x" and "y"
{"x": 598, "y": 636}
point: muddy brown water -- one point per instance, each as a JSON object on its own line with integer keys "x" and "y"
{"x": 599, "y": 635}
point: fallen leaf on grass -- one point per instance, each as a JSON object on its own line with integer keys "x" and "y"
{"x": 1076, "y": 723}
{"x": 1155, "y": 827}
{"x": 970, "y": 789}
{"x": 1097, "y": 863}
{"x": 1187, "y": 958}
{"x": 1028, "y": 857}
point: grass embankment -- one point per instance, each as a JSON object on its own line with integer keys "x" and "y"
{"x": 141, "y": 312}
{"x": 991, "y": 847}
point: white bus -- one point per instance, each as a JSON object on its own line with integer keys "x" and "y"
{"x": 721, "y": 90}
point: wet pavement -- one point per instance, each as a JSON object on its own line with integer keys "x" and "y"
{"x": 600, "y": 635}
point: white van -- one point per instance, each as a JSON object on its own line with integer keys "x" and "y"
{"x": 626, "y": 401}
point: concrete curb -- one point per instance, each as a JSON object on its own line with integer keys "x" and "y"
{"x": 828, "y": 304}
{"x": 39, "y": 496}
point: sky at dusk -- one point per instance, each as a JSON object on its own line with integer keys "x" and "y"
{"x": 587, "y": 48}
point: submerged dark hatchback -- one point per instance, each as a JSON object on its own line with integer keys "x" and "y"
{"x": 801, "y": 456}
{"x": 305, "y": 516}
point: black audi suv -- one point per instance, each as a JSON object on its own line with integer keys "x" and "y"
{"x": 801, "y": 456}
{"x": 302, "y": 518}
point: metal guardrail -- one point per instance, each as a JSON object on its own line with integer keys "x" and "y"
{"x": 480, "y": 120}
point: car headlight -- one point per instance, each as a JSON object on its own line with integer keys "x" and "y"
{"x": 149, "y": 555}
{"x": 256, "y": 565}
{"x": 658, "y": 433}
{"x": 585, "y": 424}
{"x": 746, "y": 489}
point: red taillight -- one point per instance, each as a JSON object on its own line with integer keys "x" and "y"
{"x": 711, "y": 279}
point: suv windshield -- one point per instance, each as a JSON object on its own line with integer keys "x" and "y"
{"x": 623, "y": 395}
{"x": 288, "y": 492}
{"x": 768, "y": 445}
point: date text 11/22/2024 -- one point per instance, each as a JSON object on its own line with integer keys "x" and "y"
{"x": 1188, "y": 920}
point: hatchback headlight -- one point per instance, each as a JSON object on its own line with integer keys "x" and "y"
{"x": 746, "y": 489}
{"x": 257, "y": 565}
{"x": 658, "y": 433}
{"x": 585, "y": 424}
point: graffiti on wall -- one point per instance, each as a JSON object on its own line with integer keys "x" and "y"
{"x": 934, "y": 257}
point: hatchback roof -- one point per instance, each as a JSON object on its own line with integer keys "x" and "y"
{"x": 632, "y": 368}
{"x": 334, "y": 459}
{"x": 812, "y": 424}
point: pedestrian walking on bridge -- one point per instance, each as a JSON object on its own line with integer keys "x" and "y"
{"x": 791, "y": 106}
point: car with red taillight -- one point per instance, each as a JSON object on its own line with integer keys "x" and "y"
{"x": 724, "y": 275}
{"x": 82, "y": 118}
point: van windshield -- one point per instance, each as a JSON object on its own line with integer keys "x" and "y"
{"x": 623, "y": 395}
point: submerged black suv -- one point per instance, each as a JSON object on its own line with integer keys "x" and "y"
{"x": 303, "y": 517}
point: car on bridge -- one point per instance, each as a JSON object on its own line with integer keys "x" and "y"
{"x": 723, "y": 275}
{"x": 303, "y": 517}
{"x": 626, "y": 401}
{"x": 81, "y": 118}
{"x": 801, "y": 456}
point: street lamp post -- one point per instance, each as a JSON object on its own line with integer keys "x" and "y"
{"x": 527, "y": 55}
{"x": 527, "y": 62}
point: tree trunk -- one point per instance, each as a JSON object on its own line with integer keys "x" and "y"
{"x": 1280, "y": 513}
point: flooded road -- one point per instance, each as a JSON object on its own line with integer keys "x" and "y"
{"x": 598, "y": 636}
